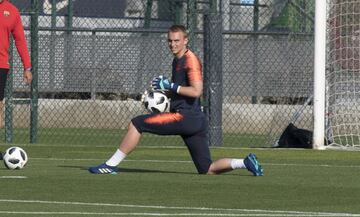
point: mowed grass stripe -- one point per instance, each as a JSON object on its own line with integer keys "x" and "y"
{"x": 171, "y": 180}
{"x": 183, "y": 161}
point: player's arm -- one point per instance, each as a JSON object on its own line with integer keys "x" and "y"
{"x": 194, "y": 90}
{"x": 21, "y": 46}
{"x": 194, "y": 74}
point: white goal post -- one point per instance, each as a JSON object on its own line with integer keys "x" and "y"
{"x": 337, "y": 74}
{"x": 319, "y": 74}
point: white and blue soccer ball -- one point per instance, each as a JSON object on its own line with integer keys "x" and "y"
{"x": 15, "y": 158}
{"x": 156, "y": 102}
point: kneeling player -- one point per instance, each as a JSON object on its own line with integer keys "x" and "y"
{"x": 185, "y": 117}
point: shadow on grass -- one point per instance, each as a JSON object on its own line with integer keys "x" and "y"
{"x": 130, "y": 170}
{"x": 137, "y": 170}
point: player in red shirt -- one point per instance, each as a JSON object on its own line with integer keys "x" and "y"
{"x": 10, "y": 23}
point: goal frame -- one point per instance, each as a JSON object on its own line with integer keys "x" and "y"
{"x": 319, "y": 74}
{"x": 337, "y": 75}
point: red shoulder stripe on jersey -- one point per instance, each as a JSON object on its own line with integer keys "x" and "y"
{"x": 193, "y": 65}
{"x": 164, "y": 118}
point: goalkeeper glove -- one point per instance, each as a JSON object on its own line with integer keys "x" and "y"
{"x": 162, "y": 83}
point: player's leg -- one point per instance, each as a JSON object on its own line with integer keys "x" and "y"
{"x": 199, "y": 151}
{"x": 131, "y": 139}
{"x": 161, "y": 124}
{"x": 250, "y": 163}
{"x": 197, "y": 144}
{"x": 1, "y": 114}
{"x": 3, "y": 78}
{"x": 221, "y": 166}
{"x": 127, "y": 145}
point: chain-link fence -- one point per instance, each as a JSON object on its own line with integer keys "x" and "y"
{"x": 95, "y": 58}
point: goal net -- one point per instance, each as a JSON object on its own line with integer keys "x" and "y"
{"x": 343, "y": 74}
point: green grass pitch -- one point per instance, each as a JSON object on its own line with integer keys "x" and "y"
{"x": 162, "y": 181}
{"x": 84, "y": 136}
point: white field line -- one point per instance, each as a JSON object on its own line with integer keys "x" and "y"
{"x": 167, "y": 214}
{"x": 244, "y": 212}
{"x": 13, "y": 177}
{"x": 163, "y": 214}
{"x": 184, "y": 161}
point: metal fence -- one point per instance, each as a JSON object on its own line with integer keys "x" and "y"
{"x": 94, "y": 58}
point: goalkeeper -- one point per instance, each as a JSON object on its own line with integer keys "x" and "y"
{"x": 185, "y": 117}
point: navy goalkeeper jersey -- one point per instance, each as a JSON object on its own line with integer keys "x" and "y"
{"x": 185, "y": 70}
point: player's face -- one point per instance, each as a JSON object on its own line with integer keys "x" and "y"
{"x": 177, "y": 43}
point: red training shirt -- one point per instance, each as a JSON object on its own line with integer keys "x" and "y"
{"x": 10, "y": 22}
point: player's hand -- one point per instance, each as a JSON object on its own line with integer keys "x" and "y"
{"x": 27, "y": 76}
{"x": 162, "y": 83}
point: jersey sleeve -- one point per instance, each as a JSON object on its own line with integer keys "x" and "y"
{"x": 194, "y": 69}
{"x": 20, "y": 42}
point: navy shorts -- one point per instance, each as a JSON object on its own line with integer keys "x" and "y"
{"x": 191, "y": 126}
{"x": 3, "y": 78}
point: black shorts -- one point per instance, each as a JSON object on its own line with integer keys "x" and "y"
{"x": 191, "y": 126}
{"x": 3, "y": 78}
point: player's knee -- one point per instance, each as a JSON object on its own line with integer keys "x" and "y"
{"x": 210, "y": 173}
{"x": 204, "y": 170}
{"x": 211, "y": 170}
{"x": 133, "y": 125}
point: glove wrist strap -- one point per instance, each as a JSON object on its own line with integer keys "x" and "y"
{"x": 175, "y": 87}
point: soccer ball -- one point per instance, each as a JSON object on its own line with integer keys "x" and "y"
{"x": 15, "y": 158}
{"x": 156, "y": 102}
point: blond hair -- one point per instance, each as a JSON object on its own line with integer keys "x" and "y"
{"x": 178, "y": 28}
